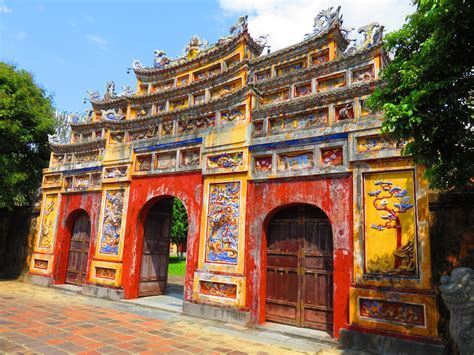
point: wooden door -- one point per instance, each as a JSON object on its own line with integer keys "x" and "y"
{"x": 79, "y": 251}
{"x": 156, "y": 247}
{"x": 299, "y": 268}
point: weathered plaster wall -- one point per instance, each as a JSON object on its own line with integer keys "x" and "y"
{"x": 71, "y": 205}
{"x": 334, "y": 196}
{"x": 144, "y": 192}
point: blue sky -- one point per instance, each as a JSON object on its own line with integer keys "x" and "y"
{"x": 72, "y": 46}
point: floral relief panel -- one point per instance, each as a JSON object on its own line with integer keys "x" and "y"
{"x": 223, "y": 223}
{"x": 390, "y": 224}
{"x": 112, "y": 222}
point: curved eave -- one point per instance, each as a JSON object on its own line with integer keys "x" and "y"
{"x": 302, "y": 46}
{"x": 193, "y": 111}
{"x": 326, "y": 68}
{"x": 108, "y": 103}
{"x": 218, "y": 50}
{"x": 78, "y": 147}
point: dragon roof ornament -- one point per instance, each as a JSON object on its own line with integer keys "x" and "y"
{"x": 62, "y": 132}
{"x": 324, "y": 20}
{"x": 373, "y": 34}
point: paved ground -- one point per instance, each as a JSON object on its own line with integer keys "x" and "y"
{"x": 36, "y": 319}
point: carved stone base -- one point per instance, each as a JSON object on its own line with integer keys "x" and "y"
{"x": 216, "y": 313}
{"x": 102, "y": 292}
{"x": 39, "y": 280}
{"x": 382, "y": 344}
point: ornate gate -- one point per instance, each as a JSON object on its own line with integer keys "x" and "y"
{"x": 79, "y": 250}
{"x": 300, "y": 268}
{"x": 156, "y": 249}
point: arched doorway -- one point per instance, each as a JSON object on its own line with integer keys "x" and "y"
{"x": 299, "y": 271}
{"x": 79, "y": 250}
{"x": 159, "y": 274}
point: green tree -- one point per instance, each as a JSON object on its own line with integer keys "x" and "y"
{"x": 26, "y": 119}
{"x": 427, "y": 96}
{"x": 179, "y": 226}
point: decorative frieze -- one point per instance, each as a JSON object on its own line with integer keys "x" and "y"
{"x": 302, "y": 160}
{"x": 305, "y": 121}
{"x": 82, "y": 182}
{"x": 50, "y": 181}
{"x": 365, "y": 74}
{"x": 377, "y": 142}
{"x": 344, "y": 111}
{"x": 263, "y": 164}
{"x": 234, "y": 114}
{"x": 332, "y": 156}
{"x": 193, "y": 124}
{"x": 331, "y": 82}
{"x": 225, "y": 160}
{"x": 320, "y": 57}
{"x": 274, "y": 97}
{"x": 105, "y": 273}
{"x": 189, "y": 158}
{"x": 116, "y": 172}
{"x": 218, "y": 289}
{"x": 397, "y": 312}
{"x": 165, "y": 161}
{"x": 144, "y": 162}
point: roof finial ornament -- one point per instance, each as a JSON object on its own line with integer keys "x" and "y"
{"x": 373, "y": 33}
{"x": 62, "y": 132}
{"x": 194, "y": 46}
{"x": 161, "y": 59}
{"x": 240, "y": 26}
{"x": 110, "y": 91}
{"x": 93, "y": 95}
{"x": 262, "y": 40}
{"x": 136, "y": 64}
{"x": 325, "y": 19}
{"x": 127, "y": 91}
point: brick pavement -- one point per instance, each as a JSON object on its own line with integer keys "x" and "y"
{"x": 37, "y": 319}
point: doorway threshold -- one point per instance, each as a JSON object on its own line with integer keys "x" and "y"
{"x": 297, "y": 332}
{"x": 67, "y": 288}
{"x": 171, "y": 301}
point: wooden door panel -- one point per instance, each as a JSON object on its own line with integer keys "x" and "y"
{"x": 299, "y": 268}
{"x": 78, "y": 251}
{"x": 155, "y": 254}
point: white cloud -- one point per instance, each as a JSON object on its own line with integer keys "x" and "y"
{"x": 5, "y": 9}
{"x": 288, "y": 21}
{"x": 21, "y": 36}
{"x": 97, "y": 40}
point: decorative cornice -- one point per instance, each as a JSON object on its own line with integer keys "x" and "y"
{"x": 320, "y": 98}
{"x": 187, "y": 112}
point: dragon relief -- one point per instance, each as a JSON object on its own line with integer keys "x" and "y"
{"x": 223, "y": 223}
{"x": 112, "y": 222}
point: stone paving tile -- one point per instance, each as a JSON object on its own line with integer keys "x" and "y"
{"x": 40, "y": 320}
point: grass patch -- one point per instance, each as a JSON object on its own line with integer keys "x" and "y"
{"x": 176, "y": 267}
